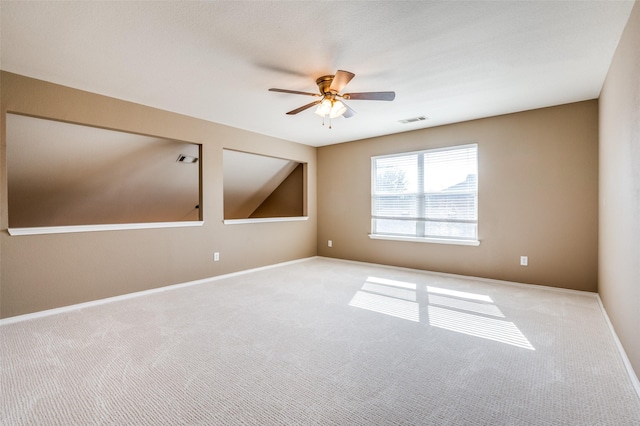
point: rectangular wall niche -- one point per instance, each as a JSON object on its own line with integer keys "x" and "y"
{"x": 257, "y": 186}
{"x": 63, "y": 174}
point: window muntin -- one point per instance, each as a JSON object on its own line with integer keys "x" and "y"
{"x": 426, "y": 194}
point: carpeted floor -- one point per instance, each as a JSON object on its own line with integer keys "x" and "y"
{"x": 321, "y": 342}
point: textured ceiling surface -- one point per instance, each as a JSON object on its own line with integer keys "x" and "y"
{"x": 216, "y": 60}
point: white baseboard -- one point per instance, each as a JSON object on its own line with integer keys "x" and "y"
{"x": 469, "y": 277}
{"x": 55, "y": 311}
{"x": 625, "y": 359}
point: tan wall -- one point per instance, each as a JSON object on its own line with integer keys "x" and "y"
{"x": 619, "y": 280}
{"x": 538, "y": 189}
{"x": 48, "y": 271}
{"x": 287, "y": 199}
{"x": 63, "y": 174}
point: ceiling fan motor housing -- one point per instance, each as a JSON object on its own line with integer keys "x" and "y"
{"x": 324, "y": 83}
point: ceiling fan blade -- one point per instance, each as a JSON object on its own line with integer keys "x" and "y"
{"x": 371, "y": 96}
{"x": 295, "y": 92}
{"x": 340, "y": 80}
{"x": 349, "y": 112}
{"x": 302, "y": 108}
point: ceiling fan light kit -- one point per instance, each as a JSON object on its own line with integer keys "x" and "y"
{"x": 337, "y": 109}
{"x": 331, "y": 103}
{"x": 332, "y": 108}
{"x": 324, "y": 108}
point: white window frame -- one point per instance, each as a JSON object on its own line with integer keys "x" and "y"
{"x": 420, "y": 196}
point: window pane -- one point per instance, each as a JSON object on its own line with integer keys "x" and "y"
{"x": 395, "y": 205}
{"x": 450, "y": 230}
{"x": 394, "y": 227}
{"x": 450, "y": 170}
{"x": 460, "y": 206}
{"x": 396, "y": 175}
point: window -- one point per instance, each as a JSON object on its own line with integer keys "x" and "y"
{"x": 427, "y": 195}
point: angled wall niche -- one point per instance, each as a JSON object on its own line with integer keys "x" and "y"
{"x": 259, "y": 187}
{"x": 67, "y": 175}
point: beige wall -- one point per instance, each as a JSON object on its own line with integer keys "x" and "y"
{"x": 63, "y": 174}
{"x": 287, "y": 199}
{"x": 619, "y": 280}
{"x": 48, "y": 271}
{"x": 538, "y": 189}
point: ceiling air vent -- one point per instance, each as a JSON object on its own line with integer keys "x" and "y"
{"x": 412, "y": 120}
{"x": 186, "y": 159}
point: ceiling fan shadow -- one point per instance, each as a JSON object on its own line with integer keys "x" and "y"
{"x": 280, "y": 69}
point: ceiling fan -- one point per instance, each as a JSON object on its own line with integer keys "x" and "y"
{"x": 330, "y": 102}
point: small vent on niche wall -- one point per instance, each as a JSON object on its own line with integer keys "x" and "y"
{"x": 412, "y": 120}
{"x": 186, "y": 159}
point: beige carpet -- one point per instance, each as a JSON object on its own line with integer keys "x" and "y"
{"x": 321, "y": 342}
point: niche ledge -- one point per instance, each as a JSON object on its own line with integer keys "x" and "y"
{"x": 95, "y": 228}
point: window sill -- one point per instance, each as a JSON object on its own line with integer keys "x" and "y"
{"x": 425, "y": 240}
{"x": 265, "y": 220}
{"x": 94, "y": 228}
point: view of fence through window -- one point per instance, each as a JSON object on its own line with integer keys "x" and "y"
{"x": 428, "y": 194}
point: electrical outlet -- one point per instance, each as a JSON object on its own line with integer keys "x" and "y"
{"x": 330, "y": 243}
{"x": 216, "y": 256}
{"x": 524, "y": 260}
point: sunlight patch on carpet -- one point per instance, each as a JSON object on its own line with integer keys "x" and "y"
{"x": 394, "y": 283}
{"x": 389, "y": 297}
{"x": 399, "y": 293}
{"x": 479, "y": 326}
{"x": 473, "y": 314}
{"x": 479, "y": 308}
{"x": 461, "y": 294}
{"x": 387, "y": 305}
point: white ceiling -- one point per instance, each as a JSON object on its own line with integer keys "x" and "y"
{"x": 215, "y": 60}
